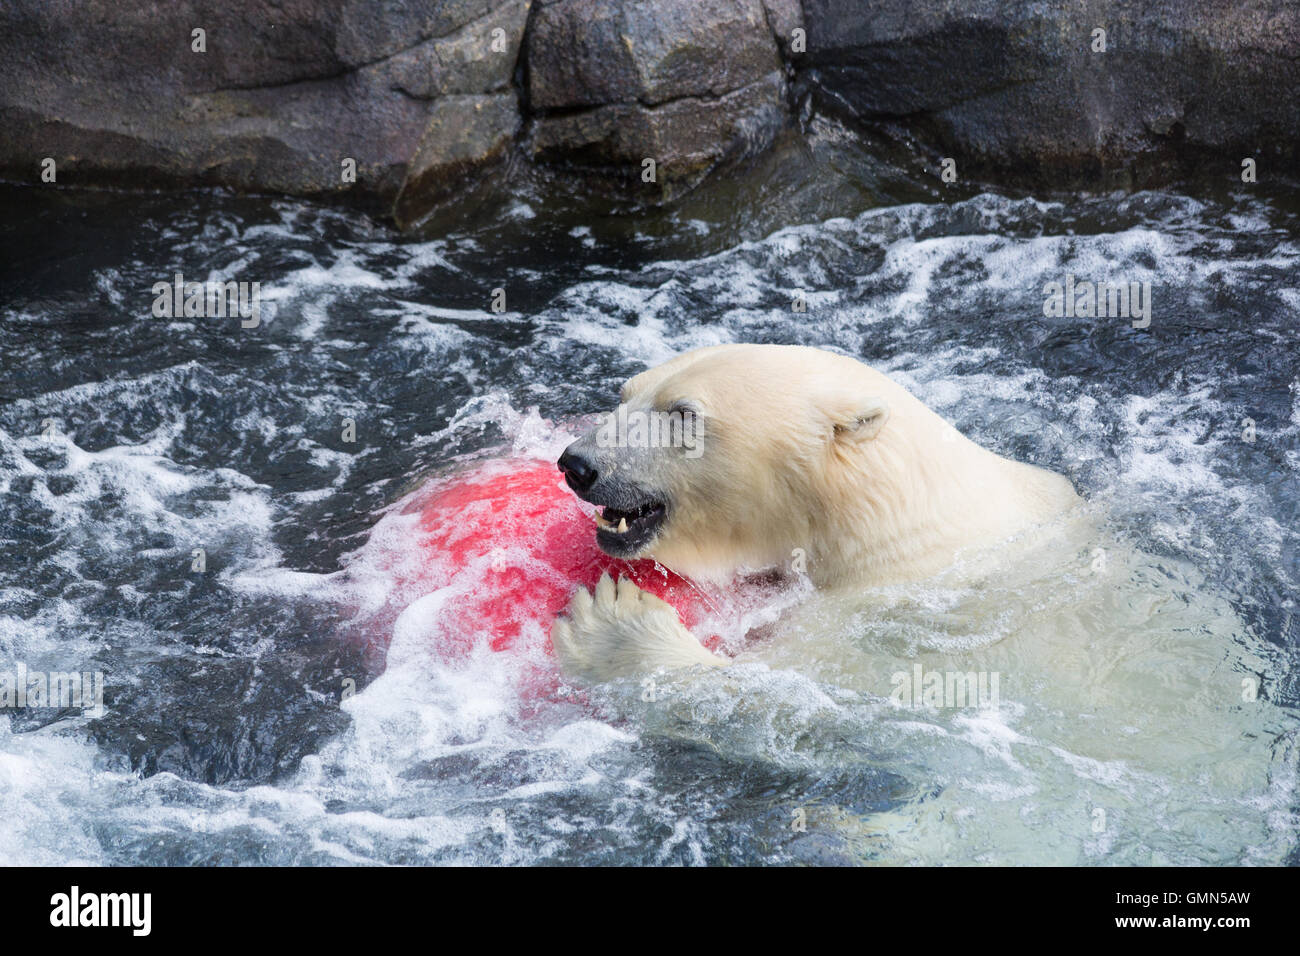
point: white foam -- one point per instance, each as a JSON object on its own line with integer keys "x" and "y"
{"x": 436, "y": 749}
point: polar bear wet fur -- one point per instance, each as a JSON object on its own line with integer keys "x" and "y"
{"x": 786, "y": 450}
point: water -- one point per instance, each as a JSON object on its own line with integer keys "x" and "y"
{"x": 128, "y": 441}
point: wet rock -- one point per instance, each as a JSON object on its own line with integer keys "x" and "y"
{"x": 280, "y": 97}
{"x": 397, "y": 104}
{"x": 465, "y": 134}
{"x": 479, "y": 57}
{"x": 594, "y": 52}
{"x": 1028, "y": 88}
{"x": 685, "y": 138}
{"x": 785, "y": 17}
{"x": 686, "y": 83}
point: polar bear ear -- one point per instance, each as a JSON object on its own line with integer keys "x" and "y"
{"x": 861, "y": 421}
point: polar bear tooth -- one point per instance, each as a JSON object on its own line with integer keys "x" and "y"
{"x": 622, "y": 525}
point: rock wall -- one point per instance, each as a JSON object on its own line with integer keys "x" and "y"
{"x": 421, "y": 96}
{"x": 274, "y": 95}
{"x": 684, "y": 83}
{"x": 1034, "y": 90}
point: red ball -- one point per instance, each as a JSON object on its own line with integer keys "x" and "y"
{"x": 512, "y": 544}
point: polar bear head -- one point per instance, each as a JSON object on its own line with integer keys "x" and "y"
{"x": 747, "y": 456}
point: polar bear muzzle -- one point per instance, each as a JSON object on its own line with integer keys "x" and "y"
{"x": 628, "y": 520}
{"x": 623, "y": 534}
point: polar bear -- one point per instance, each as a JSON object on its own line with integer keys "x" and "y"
{"x": 737, "y": 457}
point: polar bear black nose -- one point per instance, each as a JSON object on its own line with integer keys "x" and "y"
{"x": 578, "y": 471}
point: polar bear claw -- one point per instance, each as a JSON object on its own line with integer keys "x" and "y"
{"x": 621, "y": 631}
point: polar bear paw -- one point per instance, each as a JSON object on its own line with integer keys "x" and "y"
{"x": 621, "y": 631}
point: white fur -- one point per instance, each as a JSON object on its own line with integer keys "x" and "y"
{"x": 623, "y": 631}
{"x": 804, "y": 451}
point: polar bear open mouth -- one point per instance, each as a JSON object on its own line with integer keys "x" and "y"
{"x": 624, "y": 533}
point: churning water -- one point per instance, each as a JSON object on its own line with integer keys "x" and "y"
{"x": 1147, "y": 698}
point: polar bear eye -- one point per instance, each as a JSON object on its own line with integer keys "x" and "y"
{"x": 683, "y": 408}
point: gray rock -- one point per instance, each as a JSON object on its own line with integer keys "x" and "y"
{"x": 1010, "y": 86}
{"x": 784, "y": 17}
{"x": 285, "y": 92}
{"x": 684, "y": 82}
{"x": 474, "y": 59}
{"x": 576, "y": 56}
{"x": 423, "y": 94}
{"x": 685, "y": 137}
{"x": 464, "y": 135}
